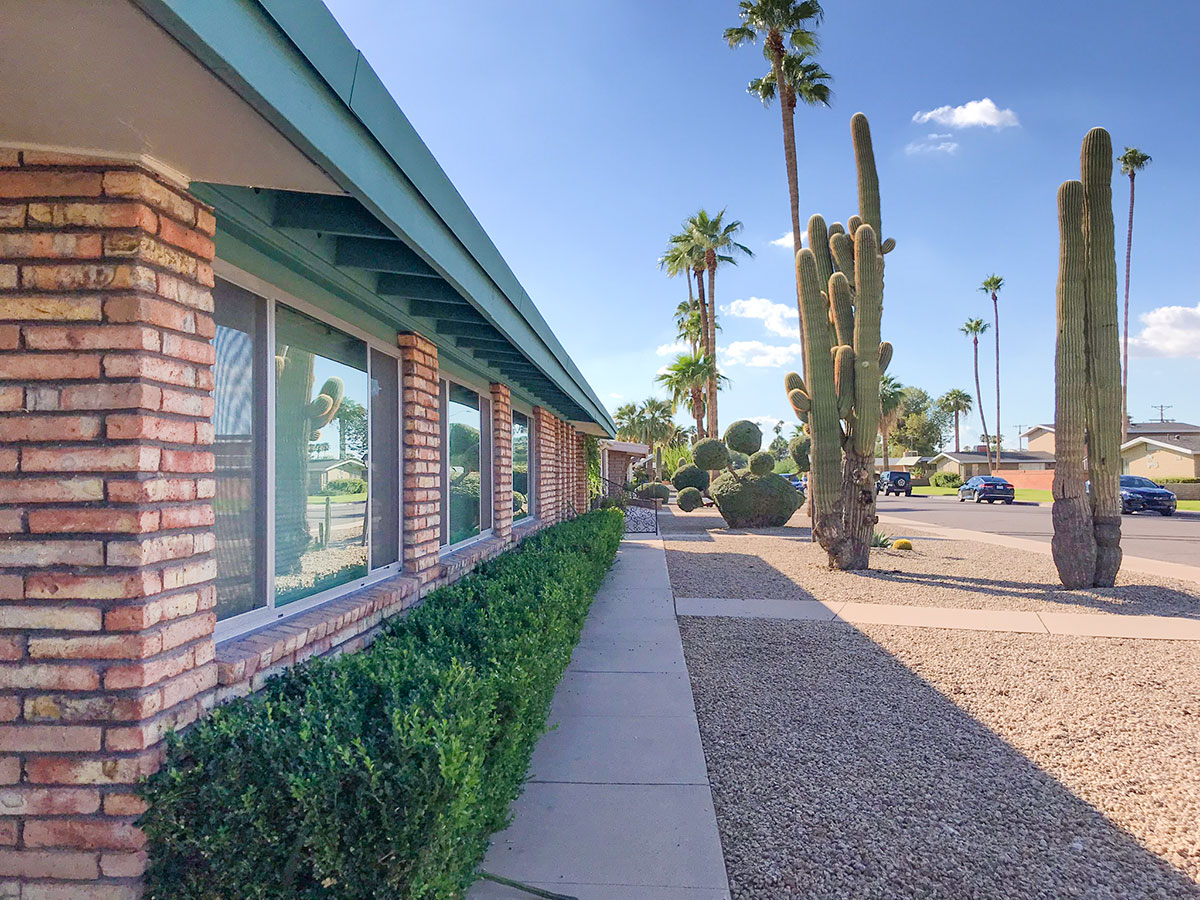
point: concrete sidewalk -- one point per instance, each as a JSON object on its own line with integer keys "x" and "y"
{"x": 1166, "y": 628}
{"x": 618, "y": 806}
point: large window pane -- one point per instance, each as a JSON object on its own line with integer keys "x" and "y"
{"x": 321, "y": 456}
{"x": 239, "y": 420}
{"x": 520, "y": 466}
{"x": 384, "y": 461}
{"x": 463, "y": 472}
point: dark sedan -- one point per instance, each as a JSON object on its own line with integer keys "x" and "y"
{"x": 986, "y": 487}
{"x": 1140, "y": 494}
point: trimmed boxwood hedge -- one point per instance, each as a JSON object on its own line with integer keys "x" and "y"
{"x": 381, "y": 774}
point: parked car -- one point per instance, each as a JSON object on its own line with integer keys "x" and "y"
{"x": 894, "y": 483}
{"x": 986, "y": 487}
{"x": 1140, "y": 494}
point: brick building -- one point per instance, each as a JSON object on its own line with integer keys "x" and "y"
{"x": 224, "y": 254}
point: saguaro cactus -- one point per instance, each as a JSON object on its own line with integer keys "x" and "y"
{"x": 840, "y": 281}
{"x": 1087, "y": 413}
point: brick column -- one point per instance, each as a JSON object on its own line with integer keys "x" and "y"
{"x": 421, "y": 451}
{"x": 581, "y": 473}
{"x": 543, "y": 423}
{"x": 106, "y": 601}
{"x": 502, "y": 462}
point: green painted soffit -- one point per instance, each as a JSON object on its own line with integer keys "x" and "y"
{"x": 291, "y": 61}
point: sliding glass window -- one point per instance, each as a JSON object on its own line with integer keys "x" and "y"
{"x": 466, "y": 468}
{"x": 522, "y": 467}
{"x": 310, "y": 507}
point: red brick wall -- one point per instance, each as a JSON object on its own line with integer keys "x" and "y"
{"x": 106, "y": 605}
{"x": 421, "y": 520}
{"x": 1028, "y": 478}
{"x": 502, "y": 474}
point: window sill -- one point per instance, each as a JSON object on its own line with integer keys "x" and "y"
{"x": 244, "y": 663}
{"x": 462, "y": 559}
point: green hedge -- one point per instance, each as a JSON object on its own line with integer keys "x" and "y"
{"x": 381, "y": 774}
{"x": 1176, "y": 480}
{"x": 946, "y": 479}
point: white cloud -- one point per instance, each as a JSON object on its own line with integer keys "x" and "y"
{"x": 767, "y": 424}
{"x": 758, "y": 355}
{"x": 615, "y": 396}
{"x": 1168, "y": 331}
{"x": 982, "y": 113}
{"x": 948, "y": 147}
{"x": 672, "y": 349}
{"x": 785, "y": 240}
{"x": 938, "y": 137}
{"x": 779, "y": 318}
{"x": 663, "y": 370}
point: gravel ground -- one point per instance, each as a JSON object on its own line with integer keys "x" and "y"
{"x": 841, "y": 769}
{"x": 708, "y": 560}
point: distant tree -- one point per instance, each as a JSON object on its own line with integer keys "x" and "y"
{"x": 687, "y": 380}
{"x": 955, "y": 403}
{"x": 1132, "y": 161}
{"x": 891, "y": 392}
{"x": 352, "y": 429}
{"x": 973, "y": 328}
{"x": 921, "y": 427}
{"x": 778, "y": 447}
{"x": 992, "y": 285}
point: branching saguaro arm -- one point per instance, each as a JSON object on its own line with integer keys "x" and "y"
{"x": 840, "y": 281}
{"x": 1087, "y": 523}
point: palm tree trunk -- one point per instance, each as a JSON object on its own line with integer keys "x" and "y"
{"x": 883, "y": 433}
{"x": 1125, "y": 332}
{"x": 787, "y": 111}
{"x": 956, "y": 450}
{"x": 713, "y": 429}
{"x": 996, "y": 319}
{"x": 987, "y": 444}
{"x": 703, "y": 309}
{"x": 698, "y": 411}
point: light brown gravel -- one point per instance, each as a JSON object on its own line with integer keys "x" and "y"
{"x": 841, "y": 769}
{"x": 707, "y": 560}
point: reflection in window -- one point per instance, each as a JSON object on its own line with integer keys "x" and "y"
{"x": 321, "y": 458}
{"x": 464, "y": 473}
{"x": 520, "y": 466}
{"x": 240, "y": 426}
{"x": 385, "y": 460}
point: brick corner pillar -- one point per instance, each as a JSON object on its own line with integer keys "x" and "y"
{"x": 106, "y": 554}
{"x": 502, "y": 461}
{"x": 421, "y": 450}
{"x": 581, "y": 473}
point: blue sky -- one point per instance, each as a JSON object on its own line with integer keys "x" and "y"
{"x": 581, "y": 134}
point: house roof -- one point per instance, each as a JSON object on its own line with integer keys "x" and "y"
{"x": 1011, "y": 455}
{"x": 321, "y": 185}
{"x": 630, "y": 447}
{"x": 1183, "y": 451}
{"x": 325, "y": 465}
{"x": 1137, "y": 428}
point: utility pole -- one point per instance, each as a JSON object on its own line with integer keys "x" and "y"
{"x": 1020, "y": 443}
{"x": 1162, "y": 408}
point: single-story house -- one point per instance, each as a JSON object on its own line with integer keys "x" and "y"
{"x": 617, "y": 459}
{"x": 323, "y": 471}
{"x": 1154, "y": 449}
{"x": 218, "y": 233}
{"x": 902, "y": 463}
{"x": 968, "y": 464}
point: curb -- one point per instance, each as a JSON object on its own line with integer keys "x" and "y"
{"x": 1181, "y": 513}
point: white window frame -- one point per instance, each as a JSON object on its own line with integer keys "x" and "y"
{"x": 534, "y": 506}
{"x": 272, "y": 296}
{"x": 485, "y": 451}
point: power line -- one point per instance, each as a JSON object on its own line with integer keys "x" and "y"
{"x": 1162, "y": 408}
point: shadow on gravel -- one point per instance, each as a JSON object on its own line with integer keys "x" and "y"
{"x": 1126, "y": 599}
{"x": 837, "y": 772}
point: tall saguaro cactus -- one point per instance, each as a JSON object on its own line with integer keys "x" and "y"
{"x": 1087, "y": 413}
{"x": 840, "y": 281}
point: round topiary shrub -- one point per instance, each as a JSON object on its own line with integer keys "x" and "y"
{"x": 762, "y": 463}
{"x": 743, "y": 436}
{"x": 689, "y": 498}
{"x": 746, "y": 500}
{"x": 690, "y": 476}
{"x": 710, "y": 455}
{"x": 798, "y": 448}
{"x": 655, "y": 491}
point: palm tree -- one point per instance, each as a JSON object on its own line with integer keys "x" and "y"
{"x": 715, "y": 237}
{"x": 684, "y": 256}
{"x": 1132, "y": 161}
{"x": 891, "y": 392}
{"x": 655, "y": 419}
{"x": 687, "y": 379}
{"x": 955, "y": 402}
{"x": 793, "y": 75}
{"x": 678, "y": 260}
{"x": 992, "y": 285}
{"x": 973, "y": 328}
{"x": 626, "y": 418}
{"x": 688, "y": 326}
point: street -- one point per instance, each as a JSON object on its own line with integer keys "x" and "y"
{"x": 1148, "y": 535}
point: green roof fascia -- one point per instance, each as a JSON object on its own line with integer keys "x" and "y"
{"x": 246, "y": 239}
{"x": 291, "y": 61}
